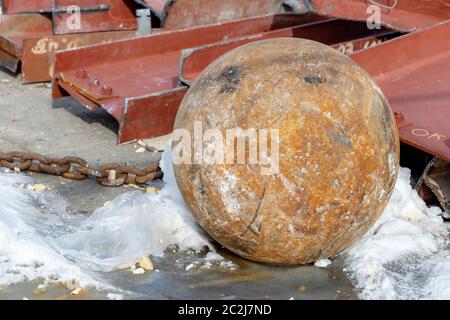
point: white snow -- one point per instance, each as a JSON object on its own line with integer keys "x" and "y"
{"x": 38, "y": 240}
{"x": 27, "y": 252}
{"x": 322, "y": 263}
{"x": 114, "y": 296}
{"x": 134, "y": 225}
{"x": 406, "y": 254}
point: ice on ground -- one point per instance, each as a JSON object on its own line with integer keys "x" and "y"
{"x": 322, "y": 263}
{"x": 39, "y": 240}
{"x": 114, "y": 296}
{"x": 25, "y": 251}
{"x": 135, "y": 224}
{"x": 406, "y": 254}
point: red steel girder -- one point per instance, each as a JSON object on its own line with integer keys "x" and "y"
{"x": 13, "y": 28}
{"x": 137, "y": 81}
{"x": 414, "y": 73}
{"x": 25, "y": 6}
{"x": 158, "y": 7}
{"x": 142, "y": 69}
{"x": 29, "y": 39}
{"x": 405, "y": 15}
{"x": 347, "y": 36}
{"x": 95, "y": 15}
{"x": 178, "y": 14}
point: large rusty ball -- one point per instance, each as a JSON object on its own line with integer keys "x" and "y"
{"x": 338, "y": 151}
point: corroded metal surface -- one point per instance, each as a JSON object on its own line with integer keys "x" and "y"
{"x": 405, "y": 15}
{"x": 145, "y": 70}
{"x": 339, "y": 151}
{"x": 153, "y": 70}
{"x": 38, "y": 53}
{"x": 13, "y": 29}
{"x": 438, "y": 180}
{"x": 188, "y": 13}
{"x": 25, "y": 6}
{"x": 414, "y": 73}
{"x": 96, "y": 16}
{"x": 29, "y": 39}
{"x": 346, "y": 36}
{"x": 177, "y": 14}
{"x": 158, "y": 7}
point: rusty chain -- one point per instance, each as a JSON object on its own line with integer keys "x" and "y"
{"x": 109, "y": 175}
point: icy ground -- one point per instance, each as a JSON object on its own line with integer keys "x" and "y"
{"x": 39, "y": 240}
{"x": 406, "y": 255}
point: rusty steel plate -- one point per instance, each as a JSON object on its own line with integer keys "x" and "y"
{"x": 158, "y": 7}
{"x": 346, "y": 36}
{"x": 325, "y": 176}
{"x": 155, "y": 74}
{"x": 178, "y": 14}
{"x": 28, "y": 38}
{"x": 188, "y": 13}
{"x": 96, "y": 16}
{"x": 38, "y": 53}
{"x": 13, "y": 29}
{"x": 9, "y": 61}
{"x": 414, "y": 73}
{"x": 405, "y": 15}
{"x": 146, "y": 68}
{"x": 25, "y": 6}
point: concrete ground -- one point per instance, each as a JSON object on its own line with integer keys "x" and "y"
{"x": 28, "y": 122}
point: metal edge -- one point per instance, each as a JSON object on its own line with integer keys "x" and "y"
{"x": 4, "y": 9}
{"x": 17, "y": 51}
{"x": 13, "y": 66}
{"x": 160, "y": 14}
{"x": 310, "y": 5}
{"x": 184, "y": 54}
{"x": 122, "y": 123}
{"x": 152, "y": 36}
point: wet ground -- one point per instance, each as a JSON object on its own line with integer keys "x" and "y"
{"x": 29, "y": 122}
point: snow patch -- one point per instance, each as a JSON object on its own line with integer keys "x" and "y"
{"x": 406, "y": 253}
{"x": 322, "y": 263}
{"x": 39, "y": 240}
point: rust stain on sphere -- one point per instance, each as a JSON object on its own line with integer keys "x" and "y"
{"x": 338, "y": 151}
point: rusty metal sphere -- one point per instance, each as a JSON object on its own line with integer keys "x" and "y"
{"x": 338, "y": 151}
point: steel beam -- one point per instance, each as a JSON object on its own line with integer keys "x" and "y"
{"x": 404, "y": 15}
{"x": 95, "y": 15}
{"x": 143, "y": 74}
{"x": 28, "y": 38}
{"x": 347, "y": 36}
{"x": 414, "y": 73}
{"x": 146, "y": 67}
{"x": 178, "y": 14}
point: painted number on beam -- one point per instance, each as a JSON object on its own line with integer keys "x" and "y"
{"x": 46, "y": 45}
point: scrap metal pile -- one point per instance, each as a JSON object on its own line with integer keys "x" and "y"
{"x": 141, "y": 79}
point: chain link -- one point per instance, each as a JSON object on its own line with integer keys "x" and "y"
{"x": 109, "y": 175}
